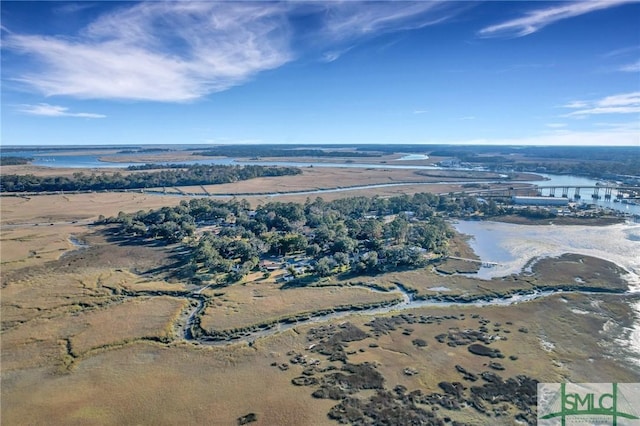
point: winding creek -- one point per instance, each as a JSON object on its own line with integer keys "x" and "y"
{"x": 492, "y": 241}
{"x": 512, "y": 246}
{"x": 407, "y": 302}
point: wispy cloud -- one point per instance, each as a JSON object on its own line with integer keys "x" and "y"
{"x": 634, "y": 67}
{"x": 556, "y": 125}
{"x": 623, "y": 136}
{"x": 348, "y": 20}
{"x": 334, "y": 55}
{"x": 181, "y": 51}
{"x": 159, "y": 51}
{"x": 537, "y": 19}
{"x": 55, "y": 111}
{"x": 623, "y": 51}
{"x": 70, "y": 8}
{"x": 420, "y": 111}
{"x": 468, "y": 117}
{"x": 624, "y": 103}
{"x": 576, "y": 104}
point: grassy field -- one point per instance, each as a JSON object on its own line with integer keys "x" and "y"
{"x": 61, "y": 340}
{"x": 147, "y": 383}
{"x": 254, "y": 303}
{"x": 92, "y": 335}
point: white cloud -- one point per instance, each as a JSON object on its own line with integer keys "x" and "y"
{"x": 624, "y": 103}
{"x": 606, "y": 110}
{"x": 537, "y": 19}
{"x": 624, "y": 99}
{"x": 181, "y": 51}
{"x": 55, "y": 111}
{"x": 420, "y": 111}
{"x": 160, "y": 51}
{"x": 556, "y": 125}
{"x": 468, "y": 117}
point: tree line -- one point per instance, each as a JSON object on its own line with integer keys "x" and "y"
{"x": 190, "y": 175}
{"x": 280, "y": 151}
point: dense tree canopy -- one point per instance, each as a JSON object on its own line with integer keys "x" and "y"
{"x": 227, "y": 239}
{"x": 190, "y": 175}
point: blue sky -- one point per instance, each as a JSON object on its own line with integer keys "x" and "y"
{"x": 111, "y": 72}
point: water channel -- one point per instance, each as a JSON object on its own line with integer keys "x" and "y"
{"x": 61, "y": 159}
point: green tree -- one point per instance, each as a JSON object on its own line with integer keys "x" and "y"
{"x": 324, "y": 267}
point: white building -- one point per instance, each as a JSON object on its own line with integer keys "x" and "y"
{"x": 541, "y": 201}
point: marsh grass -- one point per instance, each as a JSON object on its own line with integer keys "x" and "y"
{"x": 140, "y": 318}
{"x": 146, "y": 383}
{"x": 75, "y": 336}
{"x": 260, "y": 302}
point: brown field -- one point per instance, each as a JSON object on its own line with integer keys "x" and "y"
{"x": 46, "y": 209}
{"x": 147, "y": 318}
{"x": 328, "y": 178}
{"x": 61, "y": 340}
{"x": 259, "y": 302}
{"x": 574, "y": 336}
{"x": 93, "y": 336}
{"x": 28, "y": 169}
{"x": 147, "y": 383}
{"x": 32, "y": 245}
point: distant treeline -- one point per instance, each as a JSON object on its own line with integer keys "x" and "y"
{"x": 154, "y": 166}
{"x": 192, "y": 175}
{"x": 593, "y": 161}
{"x": 280, "y": 151}
{"x": 61, "y": 148}
{"x": 145, "y": 150}
{"x": 14, "y": 161}
{"x": 594, "y": 169}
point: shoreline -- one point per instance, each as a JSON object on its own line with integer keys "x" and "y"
{"x": 512, "y": 246}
